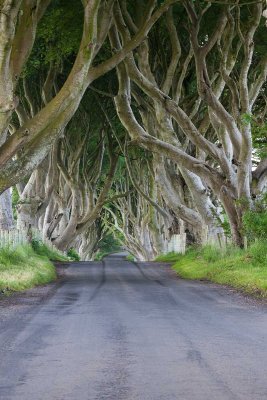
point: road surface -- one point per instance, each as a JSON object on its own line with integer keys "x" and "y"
{"x": 121, "y": 331}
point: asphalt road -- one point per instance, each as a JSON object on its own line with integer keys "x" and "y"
{"x": 121, "y": 331}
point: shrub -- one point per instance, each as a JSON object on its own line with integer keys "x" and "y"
{"x": 73, "y": 255}
{"x": 100, "y": 255}
{"x": 239, "y": 268}
{"x": 255, "y": 221}
{"x": 258, "y": 252}
{"x": 43, "y": 250}
{"x": 130, "y": 257}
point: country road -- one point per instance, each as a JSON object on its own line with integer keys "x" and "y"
{"x": 117, "y": 330}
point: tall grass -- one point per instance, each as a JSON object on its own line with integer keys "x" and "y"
{"x": 242, "y": 269}
{"x": 169, "y": 257}
{"x": 27, "y": 265}
{"x": 42, "y": 249}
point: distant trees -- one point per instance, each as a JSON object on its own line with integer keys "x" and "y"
{"x": 138, "y": 215}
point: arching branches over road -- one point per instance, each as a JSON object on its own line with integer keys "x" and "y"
{"x": 64, "y": 196}
{"x": 138, "y": 215}
{"x": 26, "y": 146}
{"x": 141, "y": 118}
{"x": 195, "y": 100}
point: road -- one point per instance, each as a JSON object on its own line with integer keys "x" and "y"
{"x": 121, "y": 331}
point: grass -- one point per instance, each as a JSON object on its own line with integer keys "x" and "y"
{"x": 27, "y": 266}
{"x": 52, "y": 254}
{"x": 100, "y": 255}
{"x": 170, "y": 257}
{"x": 73, "y": 255}
{"x": 245, "y": 270}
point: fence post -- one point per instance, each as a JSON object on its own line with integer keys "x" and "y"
{"x": 17, "y": 237}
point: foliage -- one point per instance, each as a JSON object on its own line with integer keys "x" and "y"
{"x": 58, "y": 35}
{"x": 130, "y": 257}
{"x": 169, "y": 257}
{"x": 100, "y": 255}
{"x": 225, "y": 225}
{"x": 255, "y": 221}
{"x": 242, "y": 269}
{"x": 73, "y": 255}
{"x": 109, "y": 244}
{"x": 22, "y": 268}
{"x": 246, "y": 118}
{"x": 56, "y": 44}
{"x": 43, "y": 250}
{"x": 259, "y": 135}
{"x": 15, "y": 200}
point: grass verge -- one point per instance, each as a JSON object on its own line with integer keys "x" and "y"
{"x": 52, "y": 254}
{"x": 100, "y": 255}
{"x": 130, "y": 257}
{"x": 245, "y": 270}
{"x": 26, "y": 266}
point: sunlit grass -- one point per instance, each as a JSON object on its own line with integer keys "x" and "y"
{"x": 22, "y": 268}
{"x": 241, "y": 269}
{"x": 53, "y": 254}
{"x": 170, "y": 257}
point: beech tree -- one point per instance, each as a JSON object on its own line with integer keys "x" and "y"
{"x": 229, "y": 68}
{"x": 64, "y": 196}
{"x": 137, "y": 215}
{"x": 188, "y": 82}
{"x": 25, "y": 147}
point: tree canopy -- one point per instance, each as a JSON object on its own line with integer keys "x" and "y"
{"x": 136, "y": 119}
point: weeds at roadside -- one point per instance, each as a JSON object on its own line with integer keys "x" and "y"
{"x": 242, "y": 269}
{"x": 27, "y": 265}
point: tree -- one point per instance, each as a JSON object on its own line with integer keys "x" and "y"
{"x": 222, "y": 139}
{"x": 64, "y": 196}
{"x": 136, "y": 214}
{"x": 31, "y": 142}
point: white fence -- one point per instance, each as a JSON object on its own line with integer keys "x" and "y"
{"x": 215, "y": 238}
{"x": 177, "y": 243}
{"x": 15, "y": 237}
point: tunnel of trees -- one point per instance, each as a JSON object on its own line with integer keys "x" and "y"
{"x": 124, "y": 122}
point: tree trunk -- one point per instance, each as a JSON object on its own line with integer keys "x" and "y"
{"x": 6, "y": 212}
{"x": 27, "y": 214}
{"x": 235, "y": 220}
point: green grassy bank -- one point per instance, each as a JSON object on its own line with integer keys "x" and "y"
{"x": 27, "y": 266}
{"x": 242, "y": 269}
